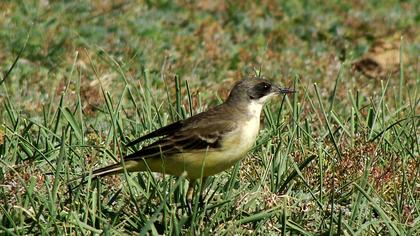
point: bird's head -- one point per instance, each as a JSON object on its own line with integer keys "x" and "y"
{"x": 255, "y": 90}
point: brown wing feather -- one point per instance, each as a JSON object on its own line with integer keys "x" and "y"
{"x": 193, "y": 138}
{"x": 187, "y": 124}
{"x": 166, "y": 130}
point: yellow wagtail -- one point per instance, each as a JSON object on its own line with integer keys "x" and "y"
{"x": 207, "y": 143}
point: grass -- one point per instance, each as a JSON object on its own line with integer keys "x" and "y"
{"x": 341, "y": 156}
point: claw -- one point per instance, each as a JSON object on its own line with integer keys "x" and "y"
{"x": 189, "y": 206}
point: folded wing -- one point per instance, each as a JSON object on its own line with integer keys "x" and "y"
{"x": 167, "y": 130}
{"x": 192, "y": 137}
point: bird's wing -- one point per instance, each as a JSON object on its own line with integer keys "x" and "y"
{"x": 166, "y": 130}
{"x": 190, "y": 138}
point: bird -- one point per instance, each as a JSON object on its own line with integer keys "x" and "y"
{"x": 204, "y": 144}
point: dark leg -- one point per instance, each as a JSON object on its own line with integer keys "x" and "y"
{"x": 190, "y": 194}
{"x": 203, "y": 185}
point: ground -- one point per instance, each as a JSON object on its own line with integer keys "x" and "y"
{"x": 341, "y": 156}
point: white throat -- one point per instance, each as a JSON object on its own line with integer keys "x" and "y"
{"x": 254, "y": 108}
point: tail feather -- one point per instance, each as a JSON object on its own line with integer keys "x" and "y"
{"x": 108, "y": 170}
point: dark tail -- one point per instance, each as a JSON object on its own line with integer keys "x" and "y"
{"x": 108, "y": 170}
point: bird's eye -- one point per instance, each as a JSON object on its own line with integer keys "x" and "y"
{"x": 260, "y": 90}
{"x": 265, "y": 86}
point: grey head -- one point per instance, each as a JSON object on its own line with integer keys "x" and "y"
{"x": 254, "y": 89}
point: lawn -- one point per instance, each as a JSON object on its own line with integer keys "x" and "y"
{"x": 81, "y": 78}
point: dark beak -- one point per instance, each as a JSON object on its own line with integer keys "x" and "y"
{"x": 286, "y": 90}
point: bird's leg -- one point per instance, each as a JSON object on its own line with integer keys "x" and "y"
{"x": 190, "y": 194}
{"x": 203, "y": 184}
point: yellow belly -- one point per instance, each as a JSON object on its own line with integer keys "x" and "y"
{"x": 196, "y": 165}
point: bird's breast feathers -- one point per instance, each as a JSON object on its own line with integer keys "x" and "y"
{"x": 240, "y": 140}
